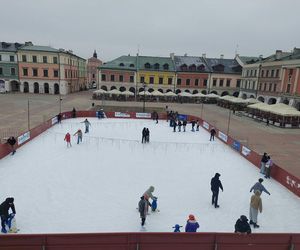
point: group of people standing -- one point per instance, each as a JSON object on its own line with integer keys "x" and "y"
{"x": 145, "y": 135}
{"x": 266, "y": 165}
{"x": 78, "y": 133}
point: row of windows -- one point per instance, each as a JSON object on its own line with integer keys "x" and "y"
{"x": 267, "y": 87}
{"x": 221, "y": 82}
{"x": 12, "y": 71}
{"x": 71, "y": 73}
{"x": 270, "y": 73}
{"x": 112, "y": 78}
{"x": 188, "y": 82}
{"x": 11, "y": 58}
{"x": 156, "y": 66}
{"x": 35, "y": 72}
{"x": 44, "y": 59}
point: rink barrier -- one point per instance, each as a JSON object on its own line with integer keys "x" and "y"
{"x": 288, "y": 180}
{"x": 150, "y": 241}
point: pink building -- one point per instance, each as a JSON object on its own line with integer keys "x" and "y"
{"x": 92, "y": 70}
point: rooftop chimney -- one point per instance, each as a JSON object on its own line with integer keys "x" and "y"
{"x": 172, "y": 56}
{"x": 29, "y": 43}
{"x": 204, "y": 55}
{"x": 278, "y": 54}
{"x": 221, "y": 56}
{"x": 296, "y": 50}
{"x": 185, "y": 54}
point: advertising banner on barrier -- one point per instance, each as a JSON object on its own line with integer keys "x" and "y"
{"x": 182, "y": 117}
{"x": 143, "y": 115}
{"x": 236, "y": 145}
{"x": 23, "y": 138}
{"x": 293, "y": 183}
{"x": 100, "y": 114}
{"x": 122, "y": 114}
{"x": 54, "y": 120}
{"x": 222, "y": 136}
{"x": 245, "y": 151}
{"x": 205, "y": 125}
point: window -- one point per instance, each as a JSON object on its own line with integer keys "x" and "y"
{"x": 103, "y": 77}
{"x": 55, "y": 73}
{"x": 272, "y": 73}
{"x": 112, "y": 78}
{"x": 121, "y": 78}
{"x": 255, "y": 72}
{"x": 260, "y": 85}
{"x": 93, "y": 76}
{"x": 131, "y": 65}
{"x": 262, "y": 73}
{"x": 221, "y": 82}
{"x": 274, "y": 87}
{"x": 178, "y": 81}
{"x": 25, "y": 72}
{"x": 24, "y": 58}
{"x": 170, "y": 80}
{"x": 55, "y": 59}
{"x": 66, "y": 73}
{"x": 214, "y": 82}
{"x": 45, "y": 72}
{"x": 1, "y": 71}
{"x": 290, "y": 72}
{"x": 151, "y": 79}
{"x": 0, "y": 58}
{"x": 13, "y": 71}
{"x": 166, "y": 66}
{"x": 131, "y": 79}
{"x": 34, "y": 59}
{"x": 34, "y": 72}
{"x": 160, "y": 80}
{"x": 267, "y": 73}
{"x": 277, "y": 73}
{"x": 156, "y": 66}
{"x": 12, "y": 58}
{"x": 265, "y": 87}
{"x": 196, "y": 82}
{"x": 288, "y": 88}
{"x": 142, "y": 80}
{"x": 45, "y": 60}
{"x": 270, "y": 87}
{"x": 228, "y": 82}
{"x": 147, "y": 65}
{"x": 205, "y": 83}
{"x": 187, "y": 82}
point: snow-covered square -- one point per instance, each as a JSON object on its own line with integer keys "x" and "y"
{"x": 95, "y": 186}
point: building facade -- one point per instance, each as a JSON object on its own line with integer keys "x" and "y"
{"x": 93, "y": 64}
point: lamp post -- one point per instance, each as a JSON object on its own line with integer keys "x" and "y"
{"x": 60, "y": 99}
{"x": 202, "y": 109}
{"x": 144, "y": 85}
{"x": 229, "y": 117}
{"x": 28, "y": 115}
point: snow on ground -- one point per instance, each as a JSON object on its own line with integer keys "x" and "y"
{"x": 95, "y": 186}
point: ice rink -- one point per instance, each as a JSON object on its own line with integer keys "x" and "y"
{"x": 95, "y": 186}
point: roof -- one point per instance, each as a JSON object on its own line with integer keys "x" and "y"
{"x": 122, "y": 62}
{"x": 10, "y": 47}
{"x": 152, "y": 60}
{"x": 189, "y": 61}
{"x": 39, "y": 48}
{"x": 274, "y": 57}
{"x": 249, "y": 59}
{"x": 231, "y": 66}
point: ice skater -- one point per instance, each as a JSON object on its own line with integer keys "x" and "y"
{"x": 148, "y": 194}
{"x": 11, "y": 141}
{"x": 68, "y": 139}
{"x": 79, "y": 136}
{"x": 193, "y": 125}
{"x": 179, "y": 126}
{"x": 177, "y": 228}
{"x": 73, "y": 113}
{"x": 215, "y": 184}
{"x": 255, "y": 206}
{"x": 184, "y": 125}
{"x": 191, "y": 225}
{"x": 263, "y": 162}
{"x": 147, "y": 135}
{"x": 268, "y": 167}
{"x": 198, "y": 125}
{"x": 260, "y": 187}
{"x": 242, "y": 226}
{"x": 174, "y": 125}
{"x": 4, "y": 208}
{"x": 143, "y": 210}
{"x": 144, "y": 133}
{"x": 87, "y": 125}
{"x": 212, "y": 134}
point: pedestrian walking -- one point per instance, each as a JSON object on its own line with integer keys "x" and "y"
{"x": 242, "y": 226}
{"x": 79, "y": 136}
{"x": 184, "y": 125}
{"x": 263, "y": 162}
{"x": 191, "y": 225}
{"x": 11, "y": 141}
{"x": 260, "y": 187}
{"x": 255, "y": 206}
{"x": 68, "y": 139}
{"x": 144, "y": 133}
{"x": 87, "y": 125}
{"x": 143, "y": 210}
{"x": 212, "y": 134}
{"x": 268, "y": 167}
{"x": 215, "y": 185}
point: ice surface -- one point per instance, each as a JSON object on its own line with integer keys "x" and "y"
{"x": 95, "y": 186}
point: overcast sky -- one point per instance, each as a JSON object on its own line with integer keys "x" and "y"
{"x": 156, "y": 27}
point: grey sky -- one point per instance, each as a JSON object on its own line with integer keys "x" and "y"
{"x": 158, "y": 27}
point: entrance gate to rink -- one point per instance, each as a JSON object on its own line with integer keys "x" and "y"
{"x": 151, "y": 241}
{"x": 157, "y": 241}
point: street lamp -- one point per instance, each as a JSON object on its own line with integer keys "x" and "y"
{"x": 60, "y": 99}
{"x": 229, "y": 117}
{"x": 144, "y": 85}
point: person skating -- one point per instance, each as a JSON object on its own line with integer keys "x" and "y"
{"x": 179, "y": 126}
{"x": 177, "y": 228}
{"x": 215, "y": 184}
{"x": 155, "y": 116}
{"x": 87, "y": 125}
{"x": 263, "y": 162}
{"x": 184, "y": 123}
{"x": 242, "y": 226}
{"x": 59, "y": 118}
{"x": 174, "y": 125}
{"x": 144, "y": 133}
{"x": 260, "y": 187}
{"x": 147, "y": 135}
{"x": 11, "y": 141}
{"x": 191, "y": 225}
{"x": 193, "y": 125}
{"x": 79, "y": 135}
{"x": 68, "y": 139}
{"x": 148, "y": 194}
{"x": 142, "y": 210}
{"x": 212, "y": 134}
{"x": 255, "y": 206}
{"x": 73, "y": 113}
{"x": 198, "y": 125}
{"x": 268, "y": 167}
{"x": 4, "y": 208}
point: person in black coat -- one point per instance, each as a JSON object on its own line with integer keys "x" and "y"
{"x": 242, "y": 226}
{"x": 193, "y": 125}
{"x": 184, "y": 125}
{"x": 215, "y": 184}
{"x": 12, "y": 142}
{"x": 59, "y": 118}
{"x": 174, "y": 125}
{"x": 74, "y": 113}
{"x": 142, "y": 209}
{"x": 147, "y": 135}
{"x": 4, "y": 207}
{"x": 212, "y": 134}
{"x": 144, "y": 133}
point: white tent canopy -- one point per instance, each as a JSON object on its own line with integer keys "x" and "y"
{"x": 185, "y": 94}
{"x": 145, "y": 93}
{"x": 157, "y": 93}
{"x": 100, "y": 91}
{"x": 127, "y": 92}
{"x": 170, "y": 93}
{"x": 114, "y": 92}
{"x": 199, "y": 95}
{"x": 252, "y": 100}
{"x": 212, "y": 95}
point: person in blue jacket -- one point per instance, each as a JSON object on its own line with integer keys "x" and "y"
{"x": 177, "y": 228}
{"x": 4, "y": 207}
{"x": 191, "y": 225}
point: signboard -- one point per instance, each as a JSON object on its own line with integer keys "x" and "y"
{"x": 205, "y": 125}
{"x": 121, "y": 114}
{"x": 54, "y": 120}
{"x": 245, "y": 151}
{"x": 182, "y": 117}
{"x": 236, "y": 145}
{"x": 23, "y": 138}
{"x": 293, "y": 183}
{"x": 222, "y": 136}
{"x": 143, "y": 115}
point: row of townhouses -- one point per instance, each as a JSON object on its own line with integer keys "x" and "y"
{"x": 40, "y": 69}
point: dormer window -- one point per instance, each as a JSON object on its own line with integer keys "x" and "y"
{"x": 131, "y": 65}
{"x": 201, "y": 67}
{"x": 147, "y": 65}
{"x": 156, "y": 66}
{"x": 192, "y": 67}
{"x": 237, "y": 68}
{"x": 183, "y": 67}
{"x": 218, "y": 67}
{"x": 121, "y": 64}
{"x": 166, "y": 66}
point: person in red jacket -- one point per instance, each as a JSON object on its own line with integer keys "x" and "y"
{"x": 68, "y": 139}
